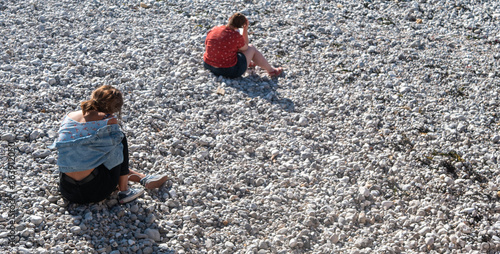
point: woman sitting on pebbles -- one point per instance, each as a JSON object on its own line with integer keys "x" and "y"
{"x": 228, "y": 54}
{"x": 93, "y": 152}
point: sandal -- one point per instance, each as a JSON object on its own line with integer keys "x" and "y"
{"x": 252, "y": 65}
{"x": 276, "y": 72}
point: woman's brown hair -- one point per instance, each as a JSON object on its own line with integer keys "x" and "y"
{"x": 237, "y": 20}
{"x": 106, "y": 99}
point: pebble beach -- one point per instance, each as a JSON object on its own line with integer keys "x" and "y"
{"x": 381, "y": 136}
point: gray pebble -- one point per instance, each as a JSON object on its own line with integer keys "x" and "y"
{"x": 9, "y": 137}
{"x": 153, "y": 234}
{"x": 41, "y": 153}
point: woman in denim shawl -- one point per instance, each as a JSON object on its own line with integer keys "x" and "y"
{"x": 93, "y": 152}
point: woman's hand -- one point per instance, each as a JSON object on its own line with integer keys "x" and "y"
{"x": 247, "y": 23}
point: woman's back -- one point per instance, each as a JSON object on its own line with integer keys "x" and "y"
{"x": 91, "y": 116}
{"x": 76, "y": 125}
{"x": 222, "y": 44}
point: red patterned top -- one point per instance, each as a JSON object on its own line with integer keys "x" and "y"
{"x": 221, "y": 47}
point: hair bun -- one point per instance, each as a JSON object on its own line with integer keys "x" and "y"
{"x": 106, "y": 99}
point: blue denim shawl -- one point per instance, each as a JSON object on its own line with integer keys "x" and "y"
{"x": 104, "y": 147}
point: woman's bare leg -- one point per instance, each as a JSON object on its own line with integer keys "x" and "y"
{"x": 135, "y": 176}
{"x": 252, "y": 54}
{"x": 123, "y": 183}
{"x": 132, "y": 176}
{"x": 152, "y": 183}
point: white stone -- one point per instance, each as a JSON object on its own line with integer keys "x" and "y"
{"x": 35, "y": 219}
{"x": 387, "y": 204}
{"x": 303, "y": 121}
{"x": 76, "y": 230}
{"x": 364, "y": 191}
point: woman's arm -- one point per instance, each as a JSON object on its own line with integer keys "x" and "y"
{"x": 245, "y": 32}
{"x": 245, "y": 36}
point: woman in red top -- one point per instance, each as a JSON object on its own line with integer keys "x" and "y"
{"x": 228, "y": 53}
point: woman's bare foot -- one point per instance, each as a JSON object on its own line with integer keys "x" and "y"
{"x": 275, "y": 72}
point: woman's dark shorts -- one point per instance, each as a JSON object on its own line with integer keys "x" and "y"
{"x": 98, "y": 185}
{"x": 231, "y": 72}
